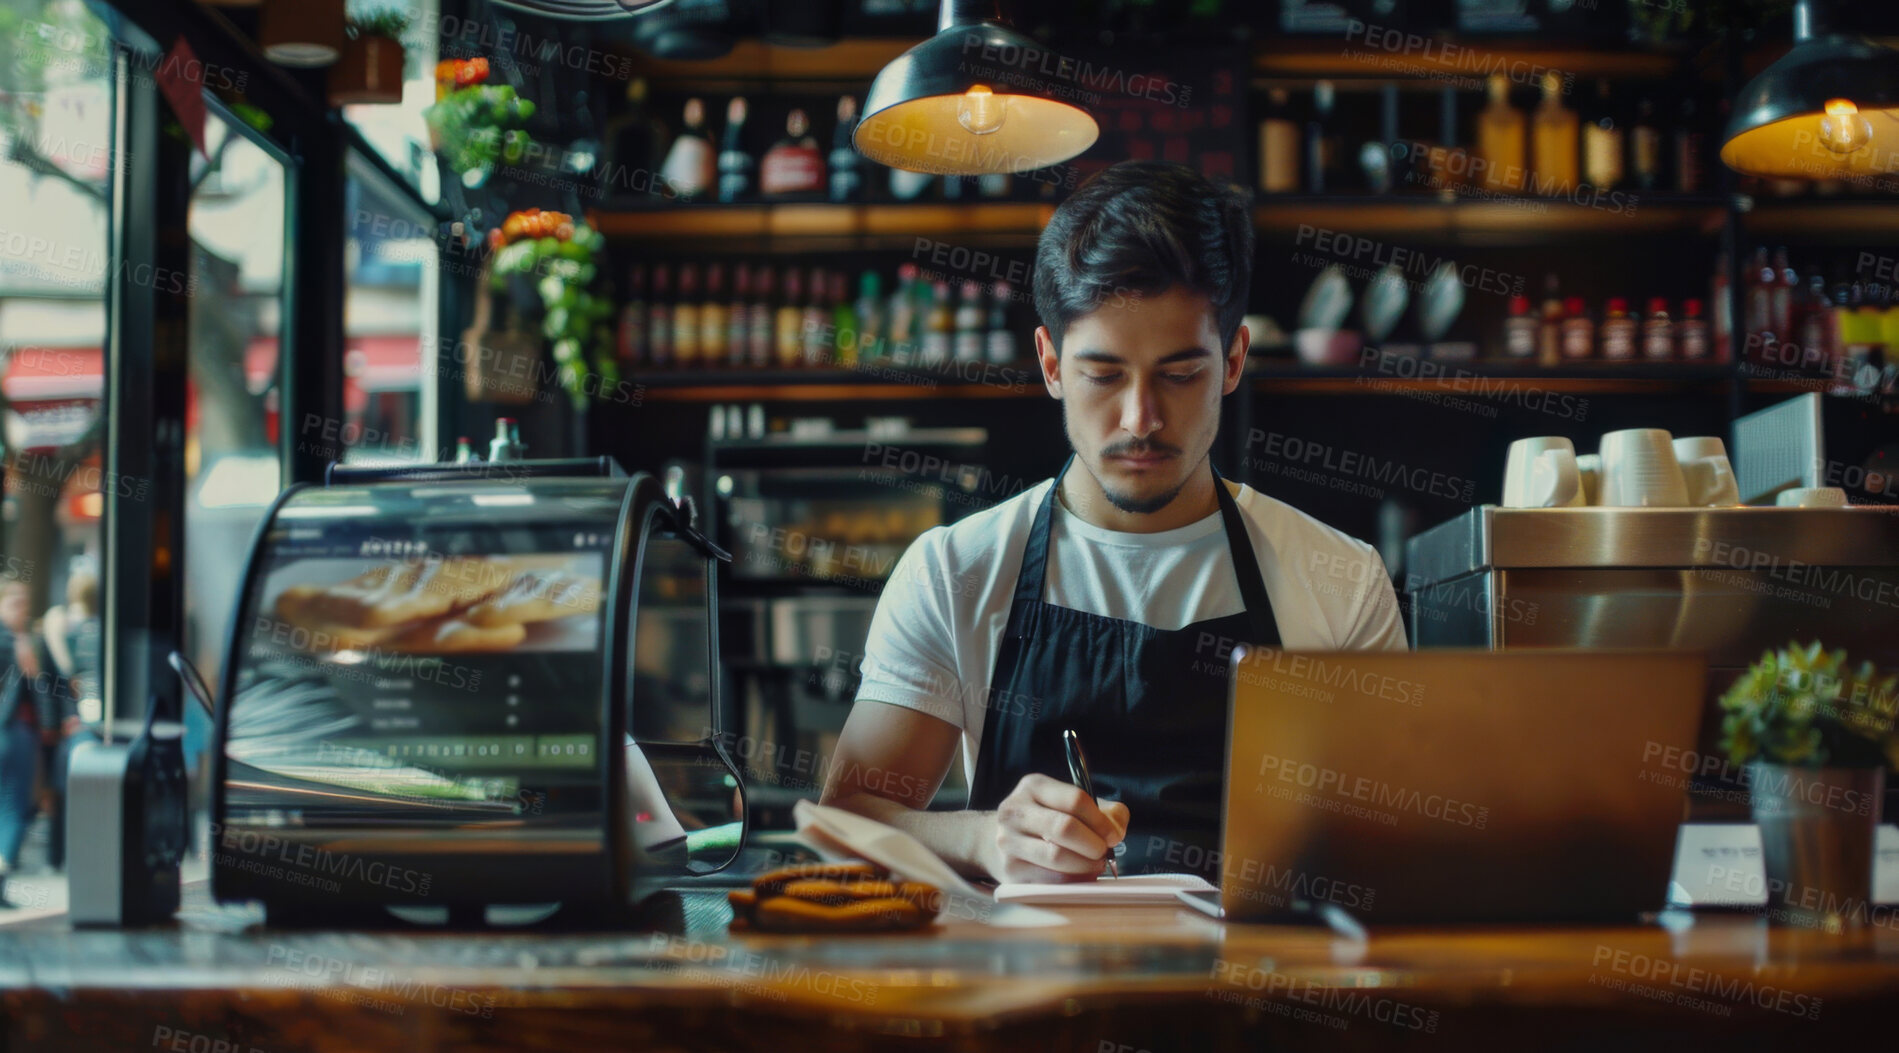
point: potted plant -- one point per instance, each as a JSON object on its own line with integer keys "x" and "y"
{"x": 370, "y": 67}
{"x": 1815, "y": 737}
{"x": 559, "y": 255}
{"x": 474, "y": 124}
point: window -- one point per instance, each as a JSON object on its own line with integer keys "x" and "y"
{"x": 389, "y": 320}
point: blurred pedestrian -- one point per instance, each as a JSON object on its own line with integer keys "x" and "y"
{"x": 72, "y": 636}
{"x": 21, "y": 721}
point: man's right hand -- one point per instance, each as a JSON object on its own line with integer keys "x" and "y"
{"x": 1049, "y": 831}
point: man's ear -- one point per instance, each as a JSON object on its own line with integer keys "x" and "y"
{"x": 1235, "y": 360}
{"x": 1050, "y": 362}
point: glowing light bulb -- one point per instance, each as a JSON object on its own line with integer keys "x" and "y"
{"x": 1843, "y": 130}
{"x": 980, "y": 111}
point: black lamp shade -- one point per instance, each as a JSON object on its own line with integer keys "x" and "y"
{"x": 977, "y": 97}
{"x": 1782, "y": 127}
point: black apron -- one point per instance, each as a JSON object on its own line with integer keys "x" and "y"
{"x": 1150, "y": 705}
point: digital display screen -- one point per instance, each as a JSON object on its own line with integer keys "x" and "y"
{"x": 423, "y": 658}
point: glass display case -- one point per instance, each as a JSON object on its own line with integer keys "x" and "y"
{"x": 435, "y": 682}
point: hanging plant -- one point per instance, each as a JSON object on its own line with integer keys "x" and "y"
{"x": 563, "y": 254}
{"x": 370, "y": 67}
{"x": 474, "y": 124}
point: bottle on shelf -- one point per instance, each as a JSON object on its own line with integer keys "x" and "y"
{"x": 507, "y": 444}
{"x": 760, "y": 321}
{"x": 1618, "y": 332}
{"x": 788, "y": 327}
{"x": 1501, "y": 139}
{"x": 659, "y": 319}
{"x": 1692, "y": 341}
{"x": 635, "y": 143}
{"x": 869, "y": 311}
{"x": 1549, "y": 326}
{"x": 1553, "y": 142}
{"x": 845, "y": 334}
{"x": 904, "y": 322}
{"x": 1519, "y": 331}
{"x": 1658, "y": 332}
{"x": 686, "y": 319}
{"x": 1691, "y": 149}
{"x": 1602, "y": 140}
{"x": 735, "y": 165}
{"x": 999, "y": 341}
{"x": 814, "y": 338}
{"x": 1645, "y": 147}
{"x": 1758, "y": 299}
{"x": 1721, "y": 310}
{"x": 1818, "y": 334}
{"x": 465, "y": 451}
{"x": 1579, "y": 332}
{"x": 738, "y": 317}
{"x": 968, "y": 342}
{"x": 847, "y": 176}
{"x": 793, "y": 167}
{"x": 939, "y": 326}
{"x": 690, "y": 168}
{"x": 1321, "y": 150}
{"x": 1780, "y": 295}
{"x": 630, "y": 336}
{"x": 712, "y": 346}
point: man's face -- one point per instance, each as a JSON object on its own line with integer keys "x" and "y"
{"x": 1140, "y": 381}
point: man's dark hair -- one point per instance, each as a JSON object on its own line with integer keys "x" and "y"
{"x": 1141, "y": 228}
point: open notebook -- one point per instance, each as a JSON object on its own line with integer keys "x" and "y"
{"x": 1134, "y": 888}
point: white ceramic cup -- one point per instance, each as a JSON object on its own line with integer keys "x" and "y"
{"x": 1639, "y": 470}
{"x": 1812, "y": 497}
{"x": 1695, "y": 447}
{"x": 1589, "y": 467}
{"x": 1710, "y": 481}
{"x": 1541, "y": 472}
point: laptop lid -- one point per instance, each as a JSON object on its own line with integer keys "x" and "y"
{"x": 1455, "y": 785}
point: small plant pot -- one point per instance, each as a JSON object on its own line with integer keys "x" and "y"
{"x": 368, "y": 71}
{"x": 1817, "y": 827}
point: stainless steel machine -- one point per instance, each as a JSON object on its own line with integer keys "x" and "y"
{"x": 1731, "y": 582}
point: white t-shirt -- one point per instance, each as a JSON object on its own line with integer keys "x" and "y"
{"x": 933, "y": 641}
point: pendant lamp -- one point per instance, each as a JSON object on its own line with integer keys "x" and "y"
{"x": 978, "y": 97}
{"x": 1828, "y": 109}
{"x": 302, "y": 33}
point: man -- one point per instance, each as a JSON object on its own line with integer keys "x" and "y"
{"x": 1106, "y": 600}
{"x": 20, "y": 722}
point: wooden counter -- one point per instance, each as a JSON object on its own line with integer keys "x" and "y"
{"x": 1116, "y": 980}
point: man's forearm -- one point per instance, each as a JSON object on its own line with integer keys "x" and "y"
{"x": 961, "y": 838}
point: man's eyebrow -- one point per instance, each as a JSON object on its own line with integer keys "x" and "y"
{"x": 1108, "y": 358}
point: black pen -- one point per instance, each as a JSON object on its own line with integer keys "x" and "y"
{"x": 1078, "y": 774}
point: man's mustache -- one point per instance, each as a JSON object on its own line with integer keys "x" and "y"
{"x": 1139, "y": 448}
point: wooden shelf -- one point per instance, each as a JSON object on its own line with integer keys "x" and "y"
{"x": 1469, "y": 57}
{"x": 797, "y": 227}
{"x": 1489, "y": 221}
{"x": 1479, "y": 379}
{"x": 1826, "y": 218}
{"x": 1268, "y": 377}
{"x": 751, "y": 61}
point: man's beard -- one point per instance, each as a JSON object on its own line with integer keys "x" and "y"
{"x": 1128, "y": 503}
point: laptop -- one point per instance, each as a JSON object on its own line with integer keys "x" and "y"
{"x": 1454, "y": 785}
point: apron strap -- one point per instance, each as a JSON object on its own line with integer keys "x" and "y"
{"x": 1034, "y": 573}
{"x": 1259, "y": 607}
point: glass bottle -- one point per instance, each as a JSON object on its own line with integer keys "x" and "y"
{"x": 1500, "y": 139}
{"x": 1553, "y": 164}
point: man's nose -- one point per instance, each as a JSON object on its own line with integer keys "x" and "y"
{"x": 1140, "y": 409}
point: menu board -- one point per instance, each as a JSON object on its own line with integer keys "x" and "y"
{"x": 429, "y": 667}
